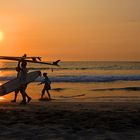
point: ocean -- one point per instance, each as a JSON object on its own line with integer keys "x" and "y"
{"x": 85, "y": 81}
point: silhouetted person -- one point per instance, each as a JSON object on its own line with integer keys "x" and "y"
{"x": 47, "y": 86}
{"x": 22, "y": 70}
{"x": 18, "y": 76}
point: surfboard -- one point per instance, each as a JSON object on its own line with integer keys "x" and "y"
{"x": 32, "y": 57}
{"x": 14, "y": 84}
{"x": 29, "y": 59}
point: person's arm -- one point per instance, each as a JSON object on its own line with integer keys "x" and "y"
{"x": 18, "y": 68}
{"x": 42, "y": 82}
{"x": 19, "y": 62}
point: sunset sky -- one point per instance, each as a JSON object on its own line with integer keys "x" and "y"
{"x": 71, "y": 29}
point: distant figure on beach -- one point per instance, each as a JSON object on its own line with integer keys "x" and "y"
{"x": 47, "y": 86}
{"x": 22, "y": 75}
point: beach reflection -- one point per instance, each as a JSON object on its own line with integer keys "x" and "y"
{"x": 4, "y": 72}
{"x": 2, "y": 99}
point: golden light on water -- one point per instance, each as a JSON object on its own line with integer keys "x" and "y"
{"x": 1, "y": 66}
{"x": 1, "y": 36}
{"x": 2, "y": 98}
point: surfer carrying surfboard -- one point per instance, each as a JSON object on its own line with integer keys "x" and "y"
{"x": 22, "y": 75}
{"x": 47, "y": 86}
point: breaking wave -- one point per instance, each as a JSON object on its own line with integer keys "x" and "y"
{"x": 99, "y": 78}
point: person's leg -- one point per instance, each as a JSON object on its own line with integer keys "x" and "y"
{"x": 28, "y": 97}
{"x": 23, "y": 93}
{"x": 16, "y": 93}
{"x": 43, "y": 92}
{"x": 49, "y": 94}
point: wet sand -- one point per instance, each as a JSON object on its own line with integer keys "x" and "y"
{"x": 70, "y": 120}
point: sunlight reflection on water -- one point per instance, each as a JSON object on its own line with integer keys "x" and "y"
{"x": 2, "y": 98}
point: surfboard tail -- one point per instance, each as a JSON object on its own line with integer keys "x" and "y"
{"x": 56, "y": 62}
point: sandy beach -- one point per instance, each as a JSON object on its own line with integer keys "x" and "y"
{"x": 70, "y": 120}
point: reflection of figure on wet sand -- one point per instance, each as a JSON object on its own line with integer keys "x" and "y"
{"x": 47, "y": 86}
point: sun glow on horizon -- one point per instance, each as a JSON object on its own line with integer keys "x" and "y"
{"x": 1, "y": 36}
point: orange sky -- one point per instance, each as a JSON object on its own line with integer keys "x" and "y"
{"x": 71, "y": 30}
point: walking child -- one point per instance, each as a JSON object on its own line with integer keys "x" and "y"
{"x": 47, "y": 86}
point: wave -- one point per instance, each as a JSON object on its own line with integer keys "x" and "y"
{"x": 100, "y": 78}
{"x": 94, "y": 67}
{"x": 124, "y": 88}
{"x": 117, "y": 97}
{"x": 58, "y": 89}
{"x": 43, "y": 68}
{"x": 85, "y": 78}
{"x": 13, "y": 68}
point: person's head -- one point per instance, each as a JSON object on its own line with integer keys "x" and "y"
{"x": 23, "y": 64}
{"x": 44, "y": 74}
{"x": 25, "y": 55}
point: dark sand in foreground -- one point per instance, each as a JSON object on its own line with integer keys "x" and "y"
{"x": 70, "y": 120}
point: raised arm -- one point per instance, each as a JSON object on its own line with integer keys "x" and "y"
{"x": 18, "y": 68}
